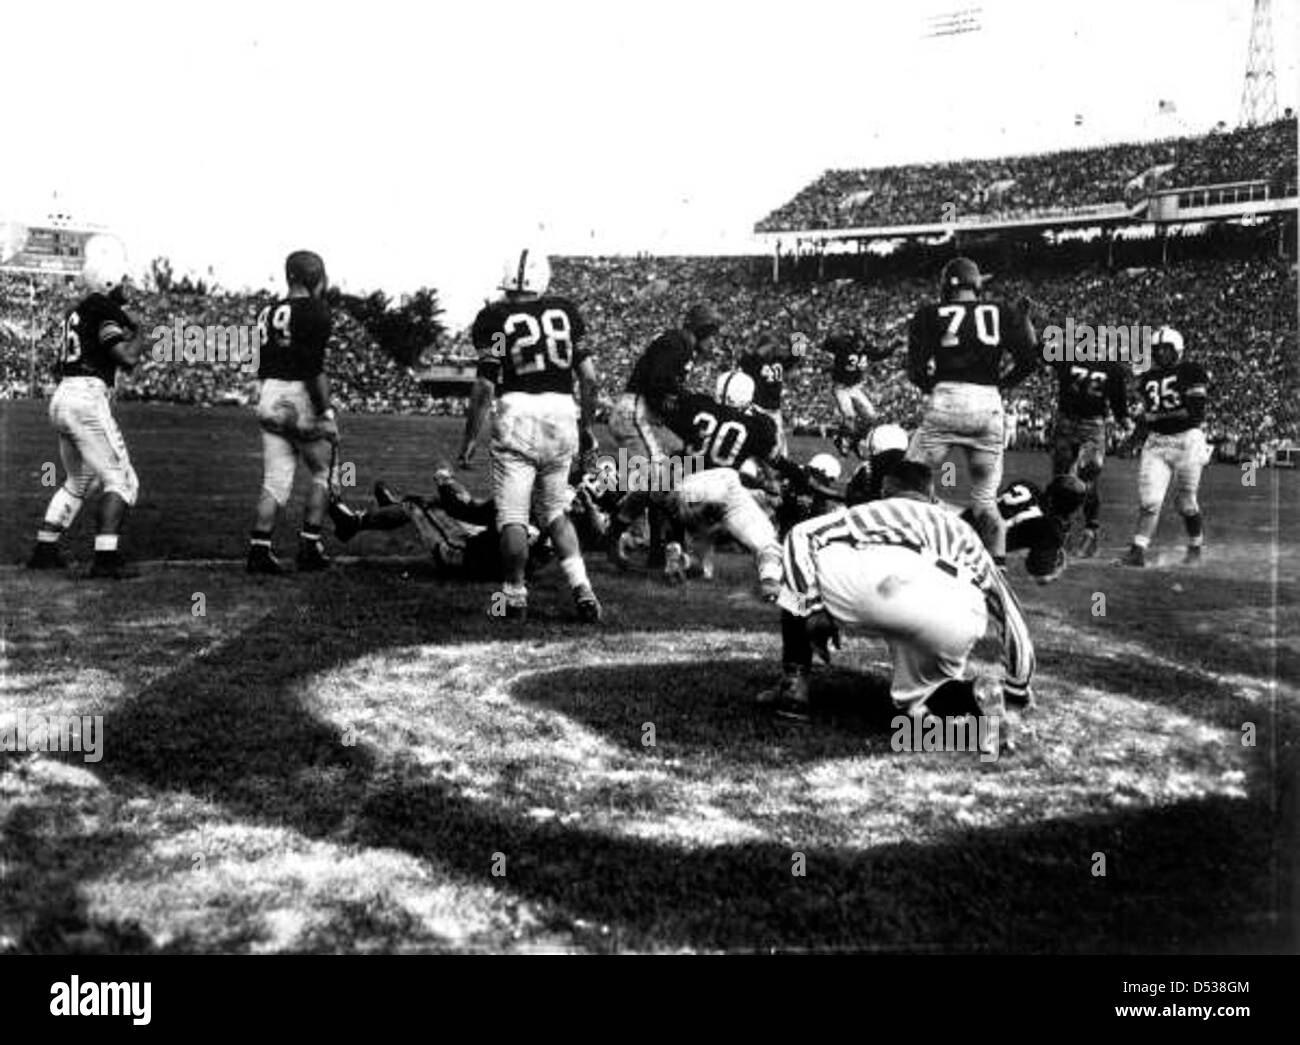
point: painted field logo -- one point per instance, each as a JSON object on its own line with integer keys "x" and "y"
{"x": 954, "y": 733}
{"x": 102, "y": 999}
{"x": 1085, "y": 343}
{"x": 27, "y": 732}
{"x": 211, "y": 344}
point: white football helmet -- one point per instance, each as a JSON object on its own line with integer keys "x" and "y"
{"x": 1167, "y": 337}
{"x": 735, "y": 388}
{"x": 886, "y": 437}
{"x": 527, "y": 272}
{"x": 827, "y": 466}
{"x": 104, "y": 265}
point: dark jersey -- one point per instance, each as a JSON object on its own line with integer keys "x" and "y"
{"x": 1087, "y": 389}
{"x": 90, "y": 333}
{"x": 531, "y": 345}
{"x": 965, "y": 341}
{"x": 294, "y": 333}
{"x": 1030, "y": 527}
{"x": 849, "y": 362}
{"x": 722, "y": 436}
{"x": 768, "y": 375}
{"x": 1174, "y": 399}
{"x": 661, "y": 370}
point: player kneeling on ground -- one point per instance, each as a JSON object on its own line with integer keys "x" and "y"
{"x": 910, "y": 571}
{"x": 294, "y": 412}
{"x": 99, "y": 339}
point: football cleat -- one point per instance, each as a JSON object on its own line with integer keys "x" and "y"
{"x": 588, "y": 605}
{"x": 347, "y": 523}
{"x": 1088, "y": 543}
{"x": 788, "y": 699}
{"x": 110, "y": 566}
{"x": 674, "y": 564}
{"x": 46, "y": 556}
{"x": 385, "y": 495}
{"x": 1135, "y": 556}
{"x": 1192, "y": 557}
{"x": 312, "y": 557}
{"x": 262, "y": 560}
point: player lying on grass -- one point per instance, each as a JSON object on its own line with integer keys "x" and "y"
{"x": 460, "y": 530}
{"x": 910, "y": 571}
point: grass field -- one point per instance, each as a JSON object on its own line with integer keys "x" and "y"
{"x": 365, "y": 761}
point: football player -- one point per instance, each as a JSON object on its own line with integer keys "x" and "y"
{"x": 910, "y": 571}
{"x": 1174, "y": 394}
{"x": 766, "y": 365}
{"x": 99, "y": 341}
{"x": 294, "y": 411}
{"x": 956, "y": 352}
{"x": 710, "y": 497}
{"x": 1038, "y": 522}
{"x": 637, "y": 422}
{"x": 849, "y": 361}
{"x": 881, "y": 451}
{"x": 530, "y": 349}
{"x": 1085, "y": 392}
{"x": 460, "y": 530}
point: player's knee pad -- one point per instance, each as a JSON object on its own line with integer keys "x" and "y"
{"x": 123, "y": 482}
{"x": 1187, "y": 503}
{"x": 277, "y": 479}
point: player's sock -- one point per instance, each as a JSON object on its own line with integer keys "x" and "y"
{"x": 310, "y": 533}
{"x": 575, "y": 571}
{"x": 47, "y": 535}
{"x": 260, "y": 539}
{"x": 1195, "y": 530}
{"x": 796, "y": 650}
{"x": 105, "y": 543}
{"x": 59, "y": 515}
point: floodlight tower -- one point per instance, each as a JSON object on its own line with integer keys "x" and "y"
{"x": 1259, "y": 92}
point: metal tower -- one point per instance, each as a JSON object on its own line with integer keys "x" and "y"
{"x": 1259, "y": 92}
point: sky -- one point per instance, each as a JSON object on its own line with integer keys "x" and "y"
{"x": 419, "y": 144}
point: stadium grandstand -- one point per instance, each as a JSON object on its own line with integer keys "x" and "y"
{"x": 1202, "y": 235}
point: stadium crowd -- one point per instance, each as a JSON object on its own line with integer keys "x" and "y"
{"x": 1040, "y": 184}
{"x": 1239, "y": 317}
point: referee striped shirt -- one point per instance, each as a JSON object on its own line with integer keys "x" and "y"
{"x": 937, "y": 535}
